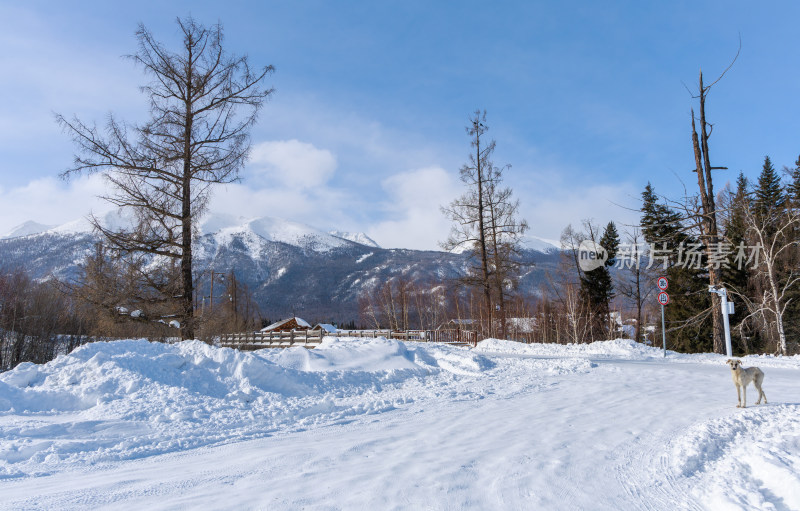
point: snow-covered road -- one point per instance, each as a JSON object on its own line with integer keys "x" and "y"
{"x": 505, "y": 426}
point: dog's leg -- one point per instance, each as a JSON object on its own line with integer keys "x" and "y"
{"x": 757, "y": 384}
{"x": 738, "y": 397}
{"x": 744, "y": 396}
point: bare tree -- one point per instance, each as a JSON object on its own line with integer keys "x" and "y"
{"x": 484, "y": 222}
{"x": 468, "y": 212}
{"x": 774, "y": 240}
{"x": 203, "y": 102}
{"x": 503, "y": 240}
{"x": 634, "y": 281}
{"x": 708, "y": 214}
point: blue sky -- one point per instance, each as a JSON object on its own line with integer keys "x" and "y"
{"x": 586, "y": 101}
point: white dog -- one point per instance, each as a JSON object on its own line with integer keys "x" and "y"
{"x": 744, "y": 375}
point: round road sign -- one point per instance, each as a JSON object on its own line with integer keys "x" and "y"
{"x": 663, "y": 298}
{"x": 663, "y": 283}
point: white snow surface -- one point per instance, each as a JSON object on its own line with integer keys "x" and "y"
{"x": 382, "y": 424}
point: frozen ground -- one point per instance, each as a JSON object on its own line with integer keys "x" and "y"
{"x": 379, "y": 424}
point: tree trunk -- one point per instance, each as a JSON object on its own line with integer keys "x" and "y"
{"x": 187, "y": 329}
{"x": 487, "y": 292}
{"x": 708, "y": 221}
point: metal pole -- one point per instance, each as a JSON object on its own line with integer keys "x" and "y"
{"x": 725, "y": 321}
{"x": 663, "y": 331}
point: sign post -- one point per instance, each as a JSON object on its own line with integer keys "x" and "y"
{"x": 663, "y": 299}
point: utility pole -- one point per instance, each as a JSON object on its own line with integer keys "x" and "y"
{"x": 727, "y": 309}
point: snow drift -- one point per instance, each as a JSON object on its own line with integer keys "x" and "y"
{"x": 608, "y": 425}
{"x": 126, "y": 399}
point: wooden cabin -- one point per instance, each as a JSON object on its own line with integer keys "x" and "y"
{"x": 286, "y": 325}
{"x": 326, "y": 328}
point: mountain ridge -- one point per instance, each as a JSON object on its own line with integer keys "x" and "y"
{"x": 289, "y": 267}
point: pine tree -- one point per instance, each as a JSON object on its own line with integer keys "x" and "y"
{"x": 736, "y": 276}
{"x": 597, "y": 287}
{"x": 769, "y": 198}
{"x": 610, "y": 242}
{"x": 688, "y": 284}
{"x": 793, "y": 188}
{"x": 659, "y": 223}
{"x": 735, "y": 227}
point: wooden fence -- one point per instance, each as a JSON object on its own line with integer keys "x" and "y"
{"x": 312, "y": 339}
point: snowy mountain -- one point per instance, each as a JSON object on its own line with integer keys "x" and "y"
{"x": 541, "y": 244}
{"x": 357, "y": 237}
{"x": 26, "y": 229}
{"x": 290, "y": 267}
{"x": 225, "y": 228}
{"x": 528, "y": 242}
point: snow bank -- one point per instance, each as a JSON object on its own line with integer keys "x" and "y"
{"x": 626, "y": 349}
{"x": 748, "y": 460}
{"x": 126, "y": 399}
{"x": 619, "y": 348}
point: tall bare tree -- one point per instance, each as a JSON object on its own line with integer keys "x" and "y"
{"x": 709, "y": 232}
{"x": 485, "y": 223}
{"x": 504, "y": 230}
{"x": 468, "y": 212}
{"x": 203, "y": 102}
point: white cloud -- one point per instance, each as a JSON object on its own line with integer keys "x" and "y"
{"x": 413, "y": 201}
{"x": 294, "y": 180}
{"x": 322, "y": 208}
{"x": 551, "y": 205}
{"x": 51, "y": 201}
{"x": 291, "y": 163}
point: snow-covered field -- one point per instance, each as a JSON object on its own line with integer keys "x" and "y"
{"x": 380, "y": 424}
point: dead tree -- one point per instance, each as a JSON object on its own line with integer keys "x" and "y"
{"x": 203, "y": 102}
{"x": 708, "y": 212}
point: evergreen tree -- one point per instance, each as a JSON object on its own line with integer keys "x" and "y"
{"x": 687, "y": 328}
{"x": 659, "y": 223}
{"x": 610, "y": 242}
{"x": 735, "y": 228}
{"x": 793, "y": 188}
{"x": 597, "y": 286}
{"x": 736, "y": 276}
{"x": 769, "y": 198}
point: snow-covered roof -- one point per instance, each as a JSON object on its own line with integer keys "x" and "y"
{"x": 299, "y": 322}
{"x": 326, "y": 327}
